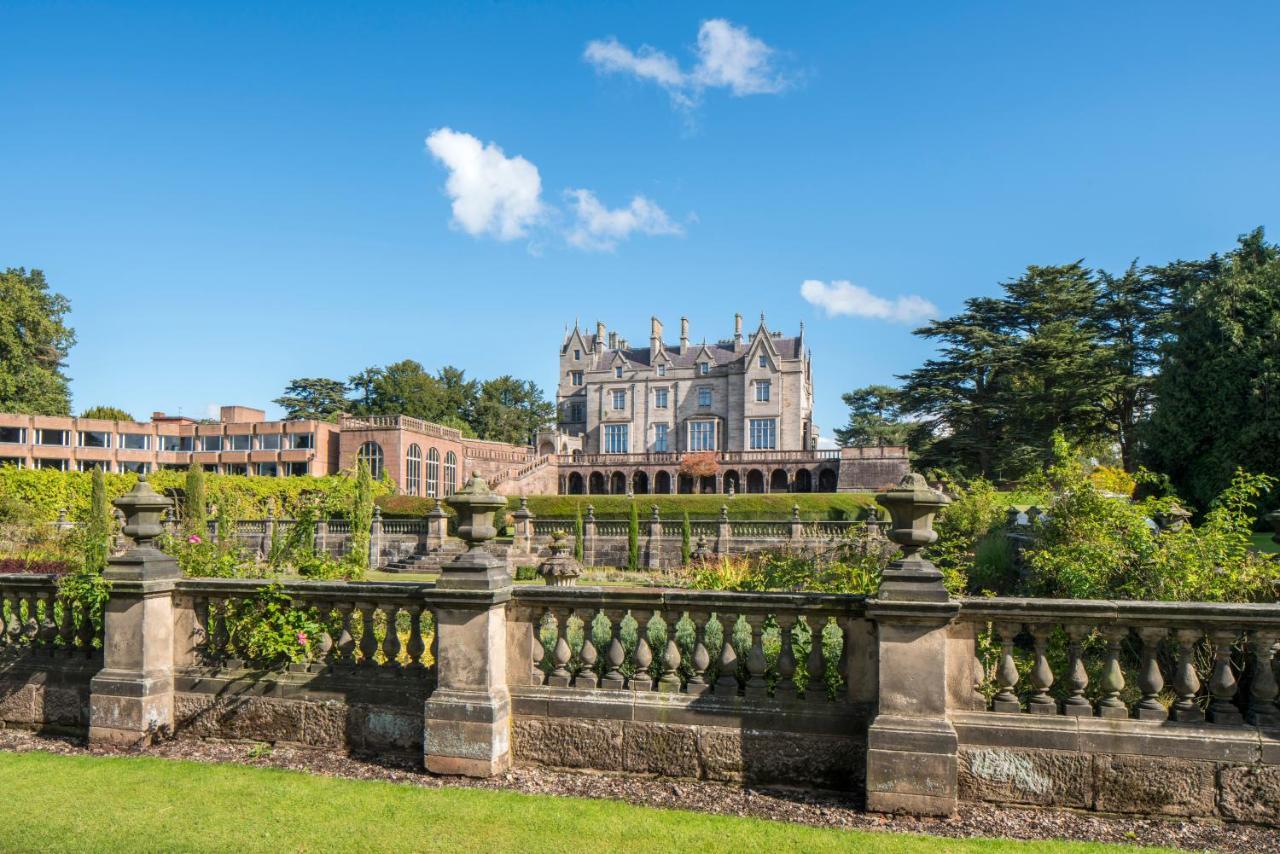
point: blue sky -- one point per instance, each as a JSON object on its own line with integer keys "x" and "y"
{"x": 242, "y": 193}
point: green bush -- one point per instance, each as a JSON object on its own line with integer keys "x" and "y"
{"x": 407, "y": 505}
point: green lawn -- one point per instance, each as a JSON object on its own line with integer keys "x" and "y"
{"x": 81, "y": 803}
{"x": 1264, "y": 543}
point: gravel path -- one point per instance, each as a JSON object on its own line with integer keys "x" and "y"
{"x": 824, "y": 809}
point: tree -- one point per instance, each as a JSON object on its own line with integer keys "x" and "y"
{"x": 195, "y": 514}
{"x": 578, "y": 533}
{"x": 633, "y": 538}
{"x": 1218, "y": 390}
{"x": 34, "y": 342}
{"x": 315, "y": 398}
{"x": 106, "y": 413}
{"x": 361, "y": 518}
{"x": 96, "y": 527}
{"x": 511, "y": 410}
{"x": 874, "y": 418}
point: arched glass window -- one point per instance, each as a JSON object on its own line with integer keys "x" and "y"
{"x": 413, "y": 471}
{"x": 371, "y": 454}
{"x": 450, "y": 473}
{"x": 433, "y": 473}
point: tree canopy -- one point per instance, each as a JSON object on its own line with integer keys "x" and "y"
{"x": 106, "y": 413}
{"x": 34, "y": 342}
{"x": 315, "y": 398}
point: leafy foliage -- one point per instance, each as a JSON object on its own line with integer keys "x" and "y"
{"x": 875, "y": 418}
{"x": 317, "y": 398}
{"x": 34, "y": 342}
{"x": 106, "y": 413}
{"x": 195, "y": 509}
{"x": 633, "y": 538}
{"x": 361, "y": 518}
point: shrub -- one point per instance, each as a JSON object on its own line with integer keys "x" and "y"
{"x": 577, "y": 533}
{"x": 407, "y": 505}
{"x": 633, "y": 539}
{"x": 686, "y": 538}
{"x": 361, "y": 516}
{"x": 267, "y": 629}
{"x": 195, "y": 519}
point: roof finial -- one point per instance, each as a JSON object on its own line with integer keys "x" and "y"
{"x": 762, "y": 318}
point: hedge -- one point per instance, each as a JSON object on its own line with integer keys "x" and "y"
{"x": 822, "y": 505}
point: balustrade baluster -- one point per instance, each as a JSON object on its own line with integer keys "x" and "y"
{"x": 727, "y": 664}
{"x": 560, "y": 676}
{"x": 416, "y": 645}
{"x": 391, "y": 640}
{"x": 1006, "y": 699}
{"x": 67, "y": 631}
{"x": 325, "y": 646}
{"x": 1041, "y": 703}
{"x": 85, "y": 632}
{"x": 434, "y": 667}
{"x": 31, "y": 626}
{"x": 1077, "y": 704}
{"x": 368, "y": 634}
{"x": 48, "y": 627}
{"x": 815, "y": 686}
{"x": 1262, "y": 696}
{"x": 757, "y": 664}
{"x": 1186, "y": 682}
{"x": 642, "y": 680}
{"x": 219, "y": 635}
{"x": 1150, "y": 679}
{"x": 537, "y": 676}
{"x": 669, "y": 678}
{"x": 701, "y": 659}
{"x": 14, "y": 625}
{"x": 586, "y": 676}
{"x": 346, "y": 642}
{"x": 616, "y": 655}
{"x": 1223, "y": 682}
{"x": 785, "y": 688}
{"x": 1111, "y": 706}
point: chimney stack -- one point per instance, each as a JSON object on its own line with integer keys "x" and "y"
{"x": 684, "y": 334}
{"x": 599, "y": 336}
{"x": 655, "y": 336}
{"x": 737, "y": 329}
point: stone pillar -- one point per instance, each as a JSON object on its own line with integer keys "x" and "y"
{"x": 269, "y": 531}
{"x": 653, "y": 543}
{"x": 797, "y": 527}
{"x": 524, "y": 527}
{"x": 131, "y": 698}
{"x": 911, "y": 745}
{"x": 589, "y": 536}
{"x": 437, "y": 528}
{"x": 468, "y": 716}
{"x": 320, "y": 544}
{"x": 375, "y": 538}
{"x": 723, "y": 531}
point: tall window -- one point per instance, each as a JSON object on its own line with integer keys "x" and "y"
{"x": 433, "y": 473}
{"x": 575, "y": 377}
{"x": 702, "y": 435}
{"x": 660, "y": 398}
{"x": 577, "y": 412}
{"x": 617, "y": 372}
{"x": 450, "y": 473}
{"x": 615, "y": 438}
{"x": 660, "y": 438}
{"x": 662, "y": 370}
{"x": 577, "y": 355}
{"x": 370, "y": 454}
{"x": 619, "y": 400}
{"x": 762, "y": 390}
{"x": 764, "y": 434}
{"x": 413, "y": 471}
{"x": 764, "y": 360}
{"x": 704, "y": 397}
{"x": 704, "y": 368}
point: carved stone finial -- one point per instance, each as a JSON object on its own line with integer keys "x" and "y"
{"x": 795, "y": 512}
{"x": 561, "y": 569}
{"x": 724, "y": 512}
{"x": 475, "y": 505}
{"x": 912, "y": 504}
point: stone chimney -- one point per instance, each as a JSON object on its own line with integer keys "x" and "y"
{"x": 655, "y": 336}
{"x": 684, "y": 334}
{"x": 599, "y": 336}
{"x": 737, "y": 329}
{"x": 613, "y": 341}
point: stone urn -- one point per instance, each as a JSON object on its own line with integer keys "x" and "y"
{"x": 561, "y": 569}
{"x": 912, "y": 504}
{"x": 475, "y": 569}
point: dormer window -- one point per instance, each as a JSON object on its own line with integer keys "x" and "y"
{"x": 617, "y": 372}
{"x": 662, "y": 370}
{"x": 764, "y": 361}
{"x": 704, "y": 368}
{"x": 577, "y": 355}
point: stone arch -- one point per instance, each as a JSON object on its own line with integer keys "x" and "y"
{"x": 731, "y": 478}
{"x": 804, "y": 481}
{"x": 827, "y": 480}
{"x": 640, "y": 483}
{"x": 546, "y": 448}
{"x": 684, "y": 484}
{"x": 755, "y": 481}
{"x": 707, "y": 484}
{"x": 778, "y": 481}
{"x": 596, "y": 483}
{"x": 576, "y": 484}
{"x": 618, "y": 483}
{"x": 662, "y": 483}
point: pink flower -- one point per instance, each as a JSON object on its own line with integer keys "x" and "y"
{"x": 302, "y": 638}
{"x": 194, "y": 539}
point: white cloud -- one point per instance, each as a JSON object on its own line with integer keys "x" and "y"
{"x": 492, "y": 193}
{"x": 846, "y": 298}
{"x": 597, "y": 228}
{"x": 729, "y": 57}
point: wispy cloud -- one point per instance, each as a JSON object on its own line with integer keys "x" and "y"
{"x": 492, "y": 194}
{"x": 598, "y": 228}
{"x": 844, "y": 298}
{"x": 499, "y": 196}
{"x": 728, "y": 57}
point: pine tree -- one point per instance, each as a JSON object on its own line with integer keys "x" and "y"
{"x": 195, "y": 515}
{"x": 633, "y": 538}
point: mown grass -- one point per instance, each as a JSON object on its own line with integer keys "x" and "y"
{"x": 80, "y": 803}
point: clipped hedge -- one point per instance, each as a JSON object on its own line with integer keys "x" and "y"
{"x": 813, "y": 506}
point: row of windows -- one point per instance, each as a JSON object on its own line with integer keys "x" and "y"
{"x": 704, "y": 369}
{"x": 143, "y": 441}
{"x": 370, "y": 454}
{"x": 259, "y": 469}
{"x": 661, "y": 399}
{"x": 762, "y": 436}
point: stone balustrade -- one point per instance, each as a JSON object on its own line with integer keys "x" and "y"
{"x": 35, "y": 618}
